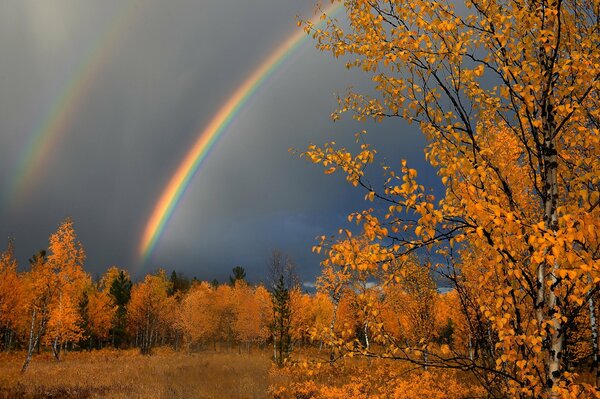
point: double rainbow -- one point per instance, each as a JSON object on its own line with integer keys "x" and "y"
{"x": 64, "y": 108}
{"x": 207, "y": 138}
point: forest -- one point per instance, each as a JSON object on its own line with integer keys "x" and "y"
{"x": 390, "y": 332}
{"x": 506, "y": 94}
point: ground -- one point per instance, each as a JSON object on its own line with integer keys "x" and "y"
{"x": 126, "y": 374}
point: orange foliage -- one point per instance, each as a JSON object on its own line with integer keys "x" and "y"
{"x": 12, "y": 294}
{"x": 197, "y": 317}
{"x": 101, "y": 312}
{"x": 65, "y": 263}
{"x": 148, "y": 310}
{"x": 250, "y": 314}
{"x": 373, "y": 380}
{"x": 518, "y": 154}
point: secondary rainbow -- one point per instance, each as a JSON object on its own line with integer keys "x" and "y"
{"x": 207, "y": 138}
{"x": 63, "y": 110}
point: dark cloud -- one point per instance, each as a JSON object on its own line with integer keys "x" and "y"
{"x": 173, "y": 67}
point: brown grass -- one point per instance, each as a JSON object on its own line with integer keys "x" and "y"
{"x": 125, "y": 374}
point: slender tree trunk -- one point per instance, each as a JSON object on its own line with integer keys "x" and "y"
{"x": 471, "y": 352}
{"x": 336, "y": 302}
{"x": 56, "y": 349}
{"x": 594, "y": 329}
{"x": 550, "y": 187}
{"x": 11, "y": 334}
{"x": 32, "y": 341}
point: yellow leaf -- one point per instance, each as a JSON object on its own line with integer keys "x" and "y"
{"x": 479, "y": 231}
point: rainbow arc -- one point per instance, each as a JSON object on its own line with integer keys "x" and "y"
{"x": 64, "y": 108}
{"x": 207, "y": 137}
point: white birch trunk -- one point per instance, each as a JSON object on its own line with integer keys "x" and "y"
{"x": 594, "y": 330}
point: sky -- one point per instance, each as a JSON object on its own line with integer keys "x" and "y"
{"x": 100, "y": 101}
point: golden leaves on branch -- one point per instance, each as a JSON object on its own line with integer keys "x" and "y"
{"x": 506, "y": 96}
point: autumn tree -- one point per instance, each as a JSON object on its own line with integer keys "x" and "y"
{"x": 334, "y": 282}
{"x": 11, "y": 296}
{"x": 506, "y": 95}
{"x": 224, "y": 305}
{"x": 65, "y": 260}
{"x": 304, "y": 311}
{"x": 451, "y": 322}
{"x": 323, "y": 313}
{"x": 148, "y": 310}
{"x": 265, "y": 312}
{"x": 40, "y": 288}
{"x": 98, "y": 313}
{"x": 53, "y": 289}
{"x": 197, "y": 317}
{"x": 412, "y": 296}
{"x": 251, "y": 309}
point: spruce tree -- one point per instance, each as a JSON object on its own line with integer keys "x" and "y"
{"x": 282, "y": 318}
{"x": 120, "y": 290}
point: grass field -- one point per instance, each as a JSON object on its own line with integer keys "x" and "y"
{"x": 125, "y": 374}
{"x": 224, "y": 375}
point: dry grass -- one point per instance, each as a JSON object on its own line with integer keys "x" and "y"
{"x": 125, "y": 374}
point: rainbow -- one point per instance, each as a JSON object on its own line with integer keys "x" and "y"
{"x": 64, "y": 108}
{"x": 207, "y": 138}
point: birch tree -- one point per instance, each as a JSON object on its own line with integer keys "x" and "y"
{"x": 505, "y": 93}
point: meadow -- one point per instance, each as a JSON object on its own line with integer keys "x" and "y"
{"x": 110, "y": 373}
{"x": 126, "y": 374}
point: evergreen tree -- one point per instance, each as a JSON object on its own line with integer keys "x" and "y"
{"x": 179, "y": 283}
{"x": 283, "y": 280}
{"x": 238, "y": 274}
{"x": 282, "y": 318}
{"x": 120, "y": 290}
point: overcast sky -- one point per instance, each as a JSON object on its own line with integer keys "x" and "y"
{"x": 155, "y": 73}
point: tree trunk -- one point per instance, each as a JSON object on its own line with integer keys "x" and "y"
{"x": 471, "y": 352}
{"x": 594, "y": 329}
{"x": 33, "y": 338}
{"x": 549, "y": 301}
{"x": 56, "y": 349}
{"x": 336, "y": 302}
{"x": 10, "y": 338}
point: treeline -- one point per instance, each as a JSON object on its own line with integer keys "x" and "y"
{"x": 396, "y": 312}
{"x": 56, "y": 306}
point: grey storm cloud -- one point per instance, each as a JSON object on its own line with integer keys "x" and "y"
{"x": 169, "y": 71}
